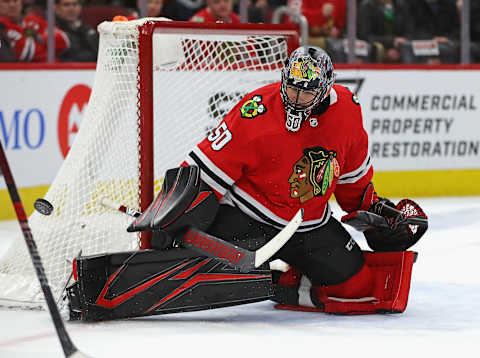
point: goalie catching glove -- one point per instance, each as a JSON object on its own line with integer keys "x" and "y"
{"x": 389, "y": 227}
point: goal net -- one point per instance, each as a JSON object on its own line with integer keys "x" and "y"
{"x": 159, "y": 87}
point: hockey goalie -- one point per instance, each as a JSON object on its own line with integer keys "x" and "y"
{"x": 284, "y": 148}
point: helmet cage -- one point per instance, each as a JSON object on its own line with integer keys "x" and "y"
{"x": 295, "y": 104}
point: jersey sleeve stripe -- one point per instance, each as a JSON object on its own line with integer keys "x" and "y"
{"x": 259, "y": 212}
{"x": 209, "y": 164}
{"x": 241, "y": 199}
{"x": 208, "y": 175}
{"x": 210, "y": 182}
{"x": 357, "y": 174}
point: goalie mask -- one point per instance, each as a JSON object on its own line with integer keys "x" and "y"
{"x": 306, "y": 80}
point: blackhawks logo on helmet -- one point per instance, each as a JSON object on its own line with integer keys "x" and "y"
{"x": 253, "y": 107}
{"x": 313, "y": 173}
{"x": 303, "y": 69}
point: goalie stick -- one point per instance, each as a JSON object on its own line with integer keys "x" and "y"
{"x": 211, "y": 246}
{"x": 68, "y": 347}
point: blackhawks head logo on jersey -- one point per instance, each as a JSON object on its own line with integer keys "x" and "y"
{"x": 313, "y": 173}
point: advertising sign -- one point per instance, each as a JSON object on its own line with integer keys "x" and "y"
{"x": 40, "y": 113}
{"x": 419, "y": 120}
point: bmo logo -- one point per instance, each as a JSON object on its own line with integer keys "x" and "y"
{"x": 72, "y": 110}
{"x": 24, "y": 128}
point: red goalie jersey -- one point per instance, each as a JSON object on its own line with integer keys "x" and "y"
{"x": 251, "y": 159}
{"x": 29, "y": 39}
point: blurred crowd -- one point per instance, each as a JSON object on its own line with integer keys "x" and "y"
{"x": 388, "y": 31}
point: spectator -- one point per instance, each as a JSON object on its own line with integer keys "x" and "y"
{"x": 28, "y": 35}
{"x": 187, "y": 8}
{"x": 277, "y": 3}
{"x": 387, "y": 23}
{"x": 36, "y": 7}
{"x": 171, "y": 9}
{"x": 154, "y": 9}
{"x": 257, "y": 11}
{"x": 6, "y": 53}
{"x": 217, "y": 11}
{"x": 325, "y": 17}
{"x": 437, "y": 20}
{"x": 83, "y": 38}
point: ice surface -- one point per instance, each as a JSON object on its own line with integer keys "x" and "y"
{"x": 441, "y": 320}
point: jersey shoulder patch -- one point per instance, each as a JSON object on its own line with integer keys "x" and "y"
{"x": 253, "y": 107}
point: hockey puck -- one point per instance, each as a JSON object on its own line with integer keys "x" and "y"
{"x": 43, "y": 206}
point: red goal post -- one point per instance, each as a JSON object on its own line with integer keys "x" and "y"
{"x": 159, "y": 87}
{"x": 146, "y": 51}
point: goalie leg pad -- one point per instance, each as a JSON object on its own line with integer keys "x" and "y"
{"x": 286, "y": 286}
{"x": 359, "y": 285}
{"x": 392, "y": 274}
{"x": 152, "y": 282}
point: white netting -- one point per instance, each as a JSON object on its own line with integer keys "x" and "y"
{"x": 197, "y": 79}
{"x": 193, "y": 97}
{"x": 103, "y": 161}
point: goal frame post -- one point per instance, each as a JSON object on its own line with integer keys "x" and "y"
{"x": 145, "y": 78}
{"x": 143, "y": 117}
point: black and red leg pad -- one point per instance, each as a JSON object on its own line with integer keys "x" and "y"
{"x": 391, "y": 273}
